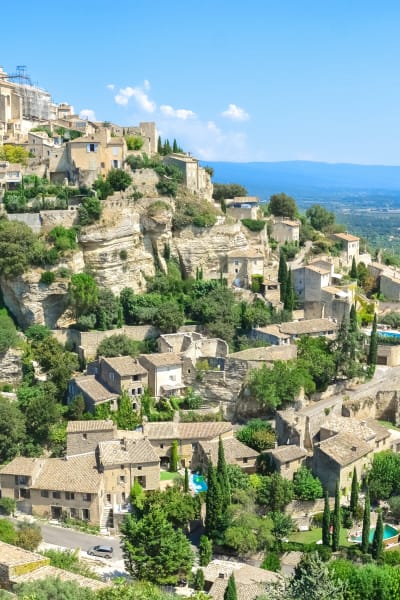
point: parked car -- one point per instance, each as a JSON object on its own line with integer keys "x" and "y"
{"x": 104, "y": 551}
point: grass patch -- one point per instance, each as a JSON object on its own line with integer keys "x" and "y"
{"x": 314, "y": 535}
{"x": 389, "y": 425}
{"x": 167, "y": 476}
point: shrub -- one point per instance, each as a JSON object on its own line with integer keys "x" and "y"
{"x": 7, "y": 506}
{"x": 254, "y": 224}
{"x": 158, "y": 207}
{"x": 123, "y": 254}
{"x": 63, "y": 238}
{"x": 8, "y": 332}
{"x": 134, "y": 142}
{"x": 118, "y": 179}
{"x": 47, "y": 277}
{"x": 271, "y": 562}
{"x": 90, "y": 211}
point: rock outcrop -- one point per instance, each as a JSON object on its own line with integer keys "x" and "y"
{"x": 11, "y": 366}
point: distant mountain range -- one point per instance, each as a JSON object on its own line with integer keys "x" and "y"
{"x": 310, "y": 180}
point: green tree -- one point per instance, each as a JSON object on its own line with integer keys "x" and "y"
{"x": 353, "y": 270}
{"x": 18, "y": 245}
{"x": 282, "y": 275}
{"x": 173, "y": 463}
{"x": 198, "y": 580}
{"x": 306, "y": 486}
{"x": 230, "y": 591}
{"x": 205, "y": 550}
{"x": 394, "y": 503}
{"x": 326, "y": 521}
{"x": 186, "y": 481}
{"x": 118, "y": 179}
{"x": 336, "y": 520}
{"x": 257, "y": 434}
{"x": 282, "y": 525}
{"x": 28, "y": 536}
{"x": 12, "y": 430}
{"x": 55, "y": 588}
{"x": 125, "y": 417}
{"x": 282, "y": 205}
{"x": 377, "y": 541}
{"x": 91, "y": 208}
{"x": 214, "y": 501}
{"x": 119, "y": 344}
{"x": 154, "y": 551}
{"x": 222, "y": 474}
{"x": 83, "y": 293}
{"x": 8, "y": 332}
{"x": 224, "y": 191}
{"x": 384, "y": 476}
{"x": 373, "y": 348}
{"x": 313, "y": 581}
{"x": 320, "y": 218}
{"x": 275, "y": 492}
{"x": 169, "y": 317}
{"x": 7, "y": 506}
{"x": 8, "y": 533}
{"x": 290, "y": 296}
{"x": 314, "y": 356}
{"x": 354, "y": 493}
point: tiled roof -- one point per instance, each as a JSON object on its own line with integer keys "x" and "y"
{"x": 380, "y": 431}
{"x": 358, "y": 429}
{"x": 245, "y": 253}
{"x": 49, "y": 571}
{"x": 181, "y": 431}
{"x": 77, "y": 474}
{"x": 245, "y": 591}
{"x": 266, "y": 353}
{"x": 12, "y": 556}
{"x": 233, "y": 450}
{"x": 127, "y": 451}
{"x": 288, "y": 223}
{"x": 287, "y": 453}
{"x": 243, "y": 572}
{"x": 20, "y": 466}
{"x": 308, "y": 326}
{"x": 94, "y": 389}
{"x": 273, "y": 330}
{"x": 318, "y": 269}
{"x": 125, "y": 365}
{"x": 163, "y": 359}
{"x": 87, "y": 426}
{"x": 344, "y": 449}
{"x": 347, "y": 237}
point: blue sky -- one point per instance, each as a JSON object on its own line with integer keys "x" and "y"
{"x": 262, "y": 80}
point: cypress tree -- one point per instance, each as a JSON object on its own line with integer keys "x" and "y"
{"x": 353, "y": 271}
{"x": 173, "y": 465}
{"x": 366, "y": 524}
{"x": 205, "y": 551}
{"x": 373, "y": 347}
{"x": 377, "y": 542}
{"x": 175, "y": 146}
{"x": 230, "y": 591}
{"x": 282, "y": 275}
{"x": 354, "y": 493}
{"x": 336, "y": 520}
{"x": 353, "y": 324}
{"x": 186, "y": 481}
{"x": 222, "y": 474}
{"x": 326, "y": 521}
{"x": 159, "y": 145}
{"x": 213, "y": 503}
{"x": 289, "y": 300}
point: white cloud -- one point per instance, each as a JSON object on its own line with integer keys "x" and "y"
{"x": 138, "y": 94}
{"x": 235, "y": 113}
{"x": 146, "y": 84}
{"x": 87, "y": 113}
{"x": 110, "y": 86}
{"x": 177, "y": 113}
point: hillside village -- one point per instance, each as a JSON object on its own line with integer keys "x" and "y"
{"x": 159, "y": 326}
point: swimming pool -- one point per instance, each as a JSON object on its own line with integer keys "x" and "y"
{"x": 197, "y": 483}
{"x": 388, "y": 533}
{"x": 394, "y": 334}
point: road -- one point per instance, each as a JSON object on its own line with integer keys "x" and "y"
{"x": 68, "y": 538}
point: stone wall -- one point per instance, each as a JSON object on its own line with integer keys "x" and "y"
{"x": 31, "y": 219}
{"x": 11, "y": 366}
{"x": 90, "y": 340}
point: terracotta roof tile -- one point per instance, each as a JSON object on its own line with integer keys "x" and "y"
{"x": 125, "y": 365}
{"x": 127, "y": 451}
{"x": 91, "y": 425}
{"x": 77, "y": 474}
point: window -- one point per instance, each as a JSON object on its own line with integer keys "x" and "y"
{"x": 87, "y": 498}
{"x": 74, "y": 513}
{"x": 56, "y": 495}
{"x": 135, "y": 378}
{"x": 24, "y": 493}
{"x": 134, "y": 406}
{"x": 122, "y": 479}
{"x": 140, "y": 468}
{"x": 84, "y": 436}
{"x": 115, "y": 151}
{"x": 44, "y": 493}
{"x": 21, "y": 480}
{"x": 85, "y": 514}
{"x": 69, "y": 496}
{"x": 161, "y": 445}
{"x": 108, "y": 498}
{"x": 91, "y": 147}
{"x": 245, "y": 460}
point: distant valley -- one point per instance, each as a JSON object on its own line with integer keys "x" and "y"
{"x": 366, "y": 198}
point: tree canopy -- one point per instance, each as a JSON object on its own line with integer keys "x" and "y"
{"x": 282, "y": 205}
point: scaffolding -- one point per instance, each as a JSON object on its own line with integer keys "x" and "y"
{"x": 35, "y": 101}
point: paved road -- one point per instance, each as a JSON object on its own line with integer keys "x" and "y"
{"x": 68, "y": 538}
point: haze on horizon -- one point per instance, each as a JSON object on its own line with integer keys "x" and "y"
{"x": 262, "y": 81}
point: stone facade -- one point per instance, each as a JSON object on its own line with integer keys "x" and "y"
{"x": 286, "y": 231}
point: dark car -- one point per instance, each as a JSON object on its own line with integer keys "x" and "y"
{"x": 104, "y": 551}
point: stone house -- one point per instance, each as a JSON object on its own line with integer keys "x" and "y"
{"x": 92, "y": 483}
{"x": 256, "y": 357}
{"x": 390, "y": 286}
{"x": 335, "y": 458}
{"x": 84, "y": 159}
{"x": 350, "y": 247}
{"x": 164, "y": 373}
{"x": 251, "y": 582}
{"x": 388, "y": 355}
{"x": 243, "y": 207}
{"x": 287, "y": 459}
{"x": 287, "y": 333}
{"x": 242, "y": 264}
{"x": 188, "y": 436}
{"x": 39, "y": 145}
{"x": 107, "y": 379}
{"x": 310, "y": 279}
{"x": 285, "y": 231}
{"x": 195, "y": 177}
{"x": 236, "y": 453}
{"x": 10, "y": 176}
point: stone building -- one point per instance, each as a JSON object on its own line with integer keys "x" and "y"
{"x": 195, "y": 177}
{"x": 350, "y": 247}
{"x": 164, "y": 373}
{"x": 287, "y": 333}
{"x": 243, "y": 207}
{"x": 390, "y": 286}
{"x": 242, "y": 265}
{"x": 287, "y": 459}
{"x": 286, "y": 231}
{"x": 236, "y": 453}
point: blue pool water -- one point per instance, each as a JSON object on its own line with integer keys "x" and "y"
{"x": 395, "y": 334}
{"x": 197, "y": 483}
{"x": 388, "y": 532}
